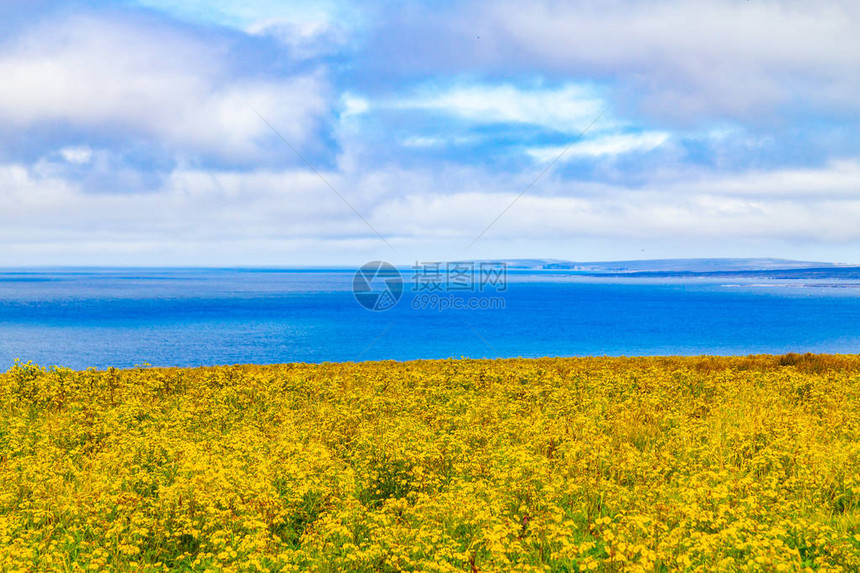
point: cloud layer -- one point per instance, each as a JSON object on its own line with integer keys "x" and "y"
{"x": 113, "y": 77}
{"x": 132, "y": 134}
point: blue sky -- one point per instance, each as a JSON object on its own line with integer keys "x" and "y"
{"x": 130, "y": 134}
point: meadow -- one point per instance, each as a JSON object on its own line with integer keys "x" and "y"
{"x": 562, "y": 464}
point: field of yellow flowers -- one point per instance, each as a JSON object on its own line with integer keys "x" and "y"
{"x": 586, "y": 464}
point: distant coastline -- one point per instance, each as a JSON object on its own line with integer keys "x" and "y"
{"x": 771, "y": 269}
{"x": 699, "y": 266}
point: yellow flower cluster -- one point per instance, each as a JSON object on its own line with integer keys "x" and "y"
{"x": 587, "y": 464}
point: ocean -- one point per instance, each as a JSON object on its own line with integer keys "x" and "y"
{"x": 82, "y": 318}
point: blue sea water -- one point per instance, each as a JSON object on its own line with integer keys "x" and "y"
{"x": 187, "y": 317}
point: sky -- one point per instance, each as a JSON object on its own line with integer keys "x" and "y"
{"x": 280, "y": 133}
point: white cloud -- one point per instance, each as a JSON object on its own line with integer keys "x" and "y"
{"x": 602, "y": 146}
{"x": 305, "y": 40}
{"x": 569, "y": 108}
{"x": 77, "y": 155}
{"x": 679, "y": 59}
{"x": 246, "y": 14}
{"x": 684, "y": 211}
{"x": 423, "y": 141}
{"x": 290, "y": 216}
{"x": 353, "y": 105}
{"x": 149, "y": 82}
{"x": 839, "y": 180}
